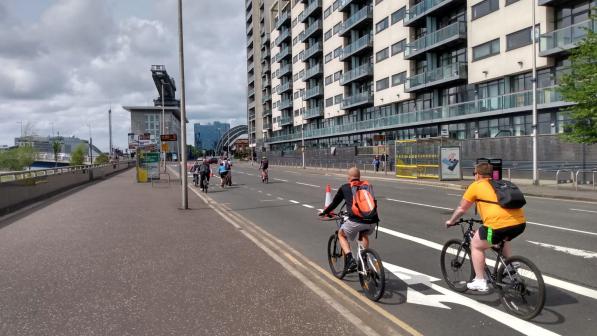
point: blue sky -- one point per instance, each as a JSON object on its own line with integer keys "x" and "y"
{"x": 66, "y": 61}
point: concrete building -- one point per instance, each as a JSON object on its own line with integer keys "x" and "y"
{"x": 343, "y": 71}
{"x": 207, "y": 136}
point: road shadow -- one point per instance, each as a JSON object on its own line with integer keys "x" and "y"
{"x": 395, "y": 291}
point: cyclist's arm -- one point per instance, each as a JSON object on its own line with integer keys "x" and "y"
{"x": 460, "y": 211}
{"x": 338, "y": 198}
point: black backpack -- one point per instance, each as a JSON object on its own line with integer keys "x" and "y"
{"x": 508, "y": 194}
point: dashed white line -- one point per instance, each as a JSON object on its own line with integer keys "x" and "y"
{"x": 308, "y": 206}
{"x": 308, "y": 185}
{"x": 277, "y": 179}
{"x": 268, "y": 194}
{"x": 583, "y": 210}
{"x": 420, "y": 204}
{"x": 572, "y": 251}
{"x": 280, "y": 198}
{"x": 293, "y": 201}
{"x": 259, "y": 191}
{"x": 563, "y": 228}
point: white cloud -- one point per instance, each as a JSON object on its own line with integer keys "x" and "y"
{"x": 78, "y": 57}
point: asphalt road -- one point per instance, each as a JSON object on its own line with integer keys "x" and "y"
{"x": 560, "y": 238}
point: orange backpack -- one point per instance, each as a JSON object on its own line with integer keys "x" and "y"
{"x": 364, "y": 204}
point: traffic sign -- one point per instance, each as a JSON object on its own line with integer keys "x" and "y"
{"x": 168, "y": 137}
{"x": 165, "y": 147}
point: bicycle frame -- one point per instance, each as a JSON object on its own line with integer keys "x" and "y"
{"x": 339, "y": 221}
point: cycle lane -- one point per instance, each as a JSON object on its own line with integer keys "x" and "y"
{"x": 291, "y": 222}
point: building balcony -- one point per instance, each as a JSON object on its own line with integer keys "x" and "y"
{"x": 267, "y": 112}
{"x": 361, "y": 17}
{"x": 251, "y": 66}
{"x": 285, "y": 103}
{"x": 363, "y": 71}
{"x": 313, "y": 92}
{"x": 311, "y": 30}
{"x": 266, "y": 98}
{"x": 267, "y": 126}
{"x": 265, "y": 54}
{"x": 313, "y": 50}
{"x": 285, "y": 69}
{"x": 249, "y": 42}
{"x": 251, "y": 79}
{"x": 356, "y": 100}
{"x": 359, "y": 46}
{"x": 313, "y": 112}
{"x": 265, "y": 69}
{"x": 265, "y": 39}
{"x": 266, "y": 82}
{"x": 285, "y": 52}
{"x": 313, "y": 71}
{"x": 285, "y": 120}
{"x": 251, "y": 92}
{"x": 417, "y": 13}
{"x": 282, "y": 19}
{"x": 252, "y": 115}
{"x": 284, "y": 87}
{"x": 551, "y": 2}
{"x": 564, "y": 39}
{"x": 439, "y": 76}
{"x": 250, "y": 54}
{"x": 345, "y": 4}
{"x": 284, "y": 35}
{"x": 313, "y": 9}
{"x": 454, "y": 33}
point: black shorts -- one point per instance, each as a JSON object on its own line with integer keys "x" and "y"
{"x": 497, "y": 236}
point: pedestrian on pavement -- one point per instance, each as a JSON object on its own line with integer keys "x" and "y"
{"x": 376, "y": 163}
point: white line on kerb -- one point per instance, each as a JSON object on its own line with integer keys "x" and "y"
{"x": 569, "y": 250}
{"x": 293, "y": 201}
{"x": 583, "y": 210}
{"x": 588, "y": 292}
{"x": 421, "y": 204}
{"x": 308, "y": 206}
{"x": 308, "y": 185}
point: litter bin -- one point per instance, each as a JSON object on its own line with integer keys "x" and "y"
{"x": 497, "y": 167}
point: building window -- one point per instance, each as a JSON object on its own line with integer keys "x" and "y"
{"x": 296, "y": 95}
{"x": 336, "y": 27}
{"x": 294, "y": 22}
{"x": 338, "y": 99}
{"x": 301, "y": 73}
{"x": 398, "y": 47}
{"x": 327, "y": 12}
{"x": 378, "y": 1}
{"x": 328, "y": 57}
{"x": 399, "y": 78}
{"x": 337, "y": 51}
{"x": 518, "y": 39}
{"x": 337, "y": 75}
{"x": 485, "y": 7}
{"x": 486, "y": 49}
{"x": 327, "y": 35}
{"x": 381, "y": 25}
{"x": 382, "y": 84}
{"x": 329, "y": 102}
{"x": 295, "y": 59}
{"x": 329, "y": 80}
{"x": 301, "y": 55}
{"x": 382, "y": 55}
{"x": 336, "y": 4}
{"x": 398, "y": 15}
{"x": 295, "y": 41}
{"x": 509, "y": 2}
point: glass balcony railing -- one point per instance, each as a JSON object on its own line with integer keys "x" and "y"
{"x": 313, "y": 71}
{"x": 310, "y": 30}
{"x": 357, "y": 100}
{"x": 365, "y": 13}
{"x": 267, "y": 112}
{"x": 285, "y": 120}
{"x": 285, "y": 103}
{"x": 313, "y": 50}
{"x": 284, "y": 52}
{"x": 546, "y": 97}
{"x": 358, "y": 45}
{"x": 313, "y": 92}
{"x": 266, "y": 98}
{"x": 343, "y": 4}
{"x": 265, "y": 68}
{"x": 444, "y": 74}
{"x": 283, "y": 35}
{"x": 267, "y": 126}
{"x": 423, "y": 8}
{"x": 565, "y": 38}
{"x": 251, "y": 92}
{"x": 456, "y": 30}
{"x": 285, "y": 69}
{"x": 265, "y": 54}
{"x": 313, "y": 112}
{"x": 266, "y": 82}
{"x": 284, "y": 87}
{"x": 282, "y": 18}
{"x": 356, "y": 73}
{"x": 265, "y": 38}
{"x": 251, "y": 79}
{"x": 251, "y": 115}
{"x": 316, "y": 4}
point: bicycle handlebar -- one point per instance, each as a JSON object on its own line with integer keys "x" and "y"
{"x": 470, "y": 221}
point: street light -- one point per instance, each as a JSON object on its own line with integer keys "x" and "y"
{"x": 303, "y": 132}
{"x": 534, "y": 81}
{"x": 163, "y": 124}
{"x": 183, "y": 114}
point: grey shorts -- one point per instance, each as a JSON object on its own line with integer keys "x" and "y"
{"x": 351, "y": 229}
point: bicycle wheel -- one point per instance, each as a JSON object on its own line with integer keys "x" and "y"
{"x": 373, "y": 279}
{"x": 457, "y": 265}
{"x": 522, "y": 290}
{"x": 336, "y": 257}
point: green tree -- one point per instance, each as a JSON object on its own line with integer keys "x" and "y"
{"x": 56, "y": 146}
{"x": 102, "y": 159}
{"x": 580, "y": 86}
{"x": 77, "y": 157}
{"x": 18, "y": 158}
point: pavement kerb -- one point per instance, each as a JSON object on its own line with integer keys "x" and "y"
{"x": 446, "y": 185}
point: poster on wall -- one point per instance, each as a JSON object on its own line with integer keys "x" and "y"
{"x": 152, "y": 161}
{"x": 450, "y": 163}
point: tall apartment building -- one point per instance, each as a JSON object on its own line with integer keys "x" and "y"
{"x": 343, "y": 71}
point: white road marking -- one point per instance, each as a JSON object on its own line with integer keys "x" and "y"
{"x": 249, "y": 174}
{"x": 277, "y": 179}
{"x": 308, "y": 185}
{"x": 448, "y": 296}
{"x": 420, "y": 204}
{"x": 268, "y": 194}
{"x": 320, "y": 210}
{"x": 563, "y": 228}
{"x": 280, "y": 198}
{"x": 588, "y": 292}
{"x": 583, "y": 210}
{"x": 572, "y": 251}
{"x": 455, "y": 195}
{"x": 269, "y": 200}
{"x": 293, "y": 201}
{"x": 292, "y": 172}
{"x": 308, "y": 206}
{"x": 259, "y": 191}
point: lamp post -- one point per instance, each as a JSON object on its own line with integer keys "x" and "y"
{"x": 163, "y": 131}
{"x": 303, "y": 132}
{"x": 183, "y": 114}
{"x": 534, "y": 81}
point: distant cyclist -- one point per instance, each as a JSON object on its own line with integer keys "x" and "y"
{"x": 223, "y": 173}
{"x": 228, "y": 165}
{"x": 362, "y": 213}
{"x": 263, "y": 166}
{"x": 195, "y": 171}
{"x": 499, "y": 224}
{"x": 204, "y": 172}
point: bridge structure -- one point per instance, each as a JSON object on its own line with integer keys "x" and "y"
{"x": 230, "y": 137}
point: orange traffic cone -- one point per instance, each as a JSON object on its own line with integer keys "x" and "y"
{"x": 328, "y": 196}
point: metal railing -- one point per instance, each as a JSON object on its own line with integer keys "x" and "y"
{"x": 357, "y": 99}
{"x": 356, "y": 73}
{"x": 283, "y": 35}
{"x": 310, "y": 30}
{"x": 565, "y": 38}
{"x": 312, "y": 50}
{"x": 361, "y": 15}
{"x": 360, "y": 44}
{"x": 309, "y": 10}
{"x": 559, "y": 180}
{"x": 313, "y": 71}
{"x": 593, "y": 172}
{"x": 419, "y": 9}
{"x": 23, "y": 175}
{"x": 313, "y": 92}
{"x": 452, "y": 71}
{"x": 436, "y": 38}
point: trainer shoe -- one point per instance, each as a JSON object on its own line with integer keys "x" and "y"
{"x": 479, "y": 285}
{"x": 351, "y": 265}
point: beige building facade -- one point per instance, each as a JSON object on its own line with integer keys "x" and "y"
{"x": 343, "y": 71}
